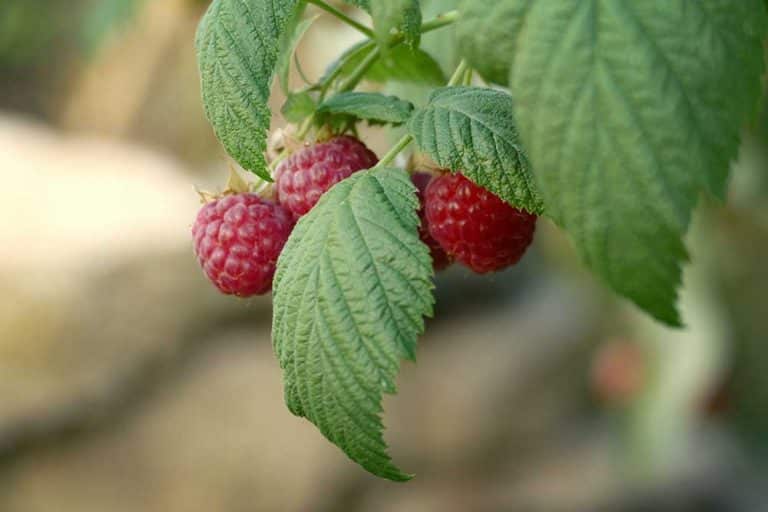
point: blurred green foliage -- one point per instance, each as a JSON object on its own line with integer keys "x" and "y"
{"x": 103, "y": 18}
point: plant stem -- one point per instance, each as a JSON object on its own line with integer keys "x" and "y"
{"x": 360, "y": 71}
{"x": 343, "y": 17}
{"x": 394, "y": 151}
{"x": 468, "y": 77}
{"x": 458, "y": 75}
{"x": 440, "y": 21}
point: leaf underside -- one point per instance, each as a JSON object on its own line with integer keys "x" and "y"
{"x": 629, "y": 110}
{"x": 369, "y": 106}
{"x": 487, "y": 33}
{"x": 351, "y": 289}
{"x": 472, "y": 130}
{"x": 237, "y": 49}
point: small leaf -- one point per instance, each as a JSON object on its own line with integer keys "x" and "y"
{"x": 290, "y": 41}
{"x": 368, "y": 106}
{"x": 351, "y": 289}
{"x": 401, "y": 64}
{"x": 404, "y": 65}
{"x": 472, "y": 130}
{"x": 396, "y": 16}
{"x": 237, "y": 44}
{"x": 629, "y": 110}
{"x": 297, "y": 107}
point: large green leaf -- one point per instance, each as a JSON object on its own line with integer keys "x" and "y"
{"x": 352, "y": 287}
{"x": 396, "y": 16}
{"x": 487, "y": 32}
{"x": 237, "y": 49}
{"x": 472, "y": 130}
{"x": 370, "y": 106}
{"x": 628, "y": 110}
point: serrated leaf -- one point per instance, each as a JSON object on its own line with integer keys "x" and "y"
{"x": 288, "y": 44}
{"x": 487, "y": 33}
{"x": 369, "y": 106}
{"x": 351, "y": 289}
{"x": 472, "y": 129}
{"x": 391, "y": 17}
{"x": 628, "y": 110}
{"x": 297, "y": 107}
{"x": 401, "y": 64}
{"x": 237, "y": 49}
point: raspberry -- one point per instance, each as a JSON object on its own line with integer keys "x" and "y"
{"x": 237, "y": 241}
{"x": 474, "y": 226}
{"x": 440, "y": 259}
{"x": 310, "y": 172}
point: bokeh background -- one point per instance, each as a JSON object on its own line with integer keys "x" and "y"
{"x": 128, "y": 384}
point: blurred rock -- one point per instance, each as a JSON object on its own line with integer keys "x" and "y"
{"x": 218, "y": 438}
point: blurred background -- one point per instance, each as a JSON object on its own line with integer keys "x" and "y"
{"x": 127, "y": 383}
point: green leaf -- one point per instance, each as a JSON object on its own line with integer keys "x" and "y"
{"x": 401, "y": 64}
{"x": 370, "y": 106}
{"x": 472, "y": 129}
{"x": 298, "y": 106}
{"x": 351, "y": 289}
{"x": 628, "y": 110}
{"x": 363, "y": 4}
{"x": 391, "y": 17}
{"x": 288, "y": 44}
{"x": 487, "y": 33}
{"x": 237, "y": 44}
{"x": 404, "y": 65}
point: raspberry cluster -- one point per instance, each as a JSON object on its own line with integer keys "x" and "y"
{"x": 238, "y": 238}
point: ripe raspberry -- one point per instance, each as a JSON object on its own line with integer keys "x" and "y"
{"x": 474, "y": 226}
{"x": 237, "y": 241}
{"x": 440, "y": 259}
{"x": 310, "y": 172}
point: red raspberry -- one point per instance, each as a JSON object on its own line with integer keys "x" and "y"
{"x": 237, "y": 241}
{"x": 440, "y": 259}
{"x": 310, "y": 172}
{"x": 474, "y": 226}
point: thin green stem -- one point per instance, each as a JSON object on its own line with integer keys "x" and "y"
{"x": 468, "y": 75}
{"x": 343, "y": 17}
{"x": 458, "y": 75}
{"x": 360, "y": 71}
{"x": 326, "y": 83}
{"x": 440, "y": 21}
{"x": 394, "y": 151}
